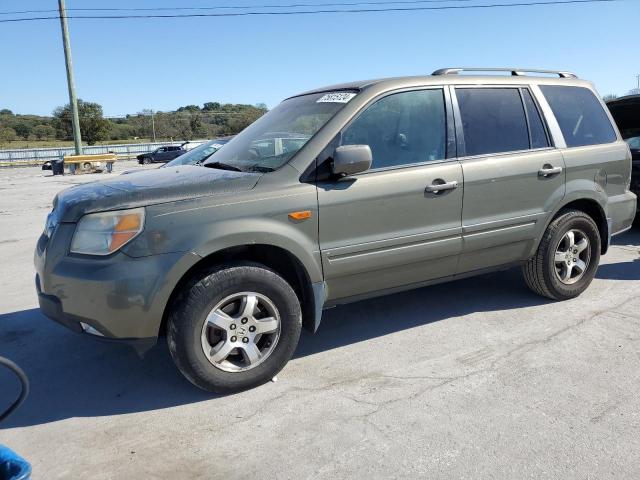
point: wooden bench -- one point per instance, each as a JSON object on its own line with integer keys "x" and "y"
{"x": 89, "y": 163}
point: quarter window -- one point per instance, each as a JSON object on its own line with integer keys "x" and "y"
{"x": 539, "y": 137}
{"x": 402, "y": 128}
{"x": 493, "y": 120}
{"x": 580, "y": 115}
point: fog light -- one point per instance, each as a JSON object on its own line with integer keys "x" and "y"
{"x": 90, "y": 330}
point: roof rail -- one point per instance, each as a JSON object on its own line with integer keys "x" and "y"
{"x": 514, "y": 71}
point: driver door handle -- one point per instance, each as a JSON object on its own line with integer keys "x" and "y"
{"x": 440, "y": 185}
{"x": 548, "y": 170}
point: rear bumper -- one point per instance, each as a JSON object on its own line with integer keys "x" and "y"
{"x": 621, "y": 210}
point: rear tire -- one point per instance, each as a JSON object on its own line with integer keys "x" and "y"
{"x": 234, "y": 327}
{"x": 567, "y": 257}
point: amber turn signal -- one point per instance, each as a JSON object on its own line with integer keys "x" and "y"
{"x": 302, "y": 215}
{"x": 127, "y": 228}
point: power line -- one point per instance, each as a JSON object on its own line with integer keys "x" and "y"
{"x": 314, "y": 12}
{"x": 239, "y": 7}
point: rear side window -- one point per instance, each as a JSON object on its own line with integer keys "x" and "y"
{"x": 539, "y": 137}
{"x": 580, "y": 115}
{"x": 493, "y": 120}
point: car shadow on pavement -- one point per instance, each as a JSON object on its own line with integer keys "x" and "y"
{"x": 620, "y": 271}
{"x": 74, "y": 376}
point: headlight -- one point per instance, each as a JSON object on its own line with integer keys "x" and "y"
{"x": 105, "y": 232}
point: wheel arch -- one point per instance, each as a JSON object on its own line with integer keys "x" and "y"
{"x": 276, "y": 258}
{"x": 592, "y": 207}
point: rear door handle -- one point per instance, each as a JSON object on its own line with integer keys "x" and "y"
{"x": 548, "y": 170}
{"x": 440, "y": 185}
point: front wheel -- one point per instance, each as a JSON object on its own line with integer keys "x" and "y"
{"x": 567, "y": 257}
{"x": 234, "y": 327}
{"x": 146, "y": 160}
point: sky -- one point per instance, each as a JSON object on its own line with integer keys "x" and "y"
{"x": 132, "y": 64}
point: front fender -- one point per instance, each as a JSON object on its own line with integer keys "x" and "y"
{"x": 265, "y": 231}
{"x": 206, "y": 225}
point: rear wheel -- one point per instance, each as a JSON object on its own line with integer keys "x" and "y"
{"x": 567, "y": 257}
{"x": 234, "y": 327}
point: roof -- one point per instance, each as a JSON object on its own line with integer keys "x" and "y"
{"x": 447, "y": 79}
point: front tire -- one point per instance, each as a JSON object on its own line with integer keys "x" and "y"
{"x": 567, "y": 257}
{"x": 234, "y": 327}
{"x": 146, "y": 160}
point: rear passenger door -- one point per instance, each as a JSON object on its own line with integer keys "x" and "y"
{"x": 513, "y": 176}
{"x": 397, "y": 224}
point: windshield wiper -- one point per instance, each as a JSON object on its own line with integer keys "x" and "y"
{"x": 260, "y": 168}
{"x": 222, "y": 166}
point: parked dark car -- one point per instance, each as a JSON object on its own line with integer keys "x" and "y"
{"x": 626, "y": 113}
{"x": 161, "y": 154}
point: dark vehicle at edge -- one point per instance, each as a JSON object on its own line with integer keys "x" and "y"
{"x": 626, "y": 113}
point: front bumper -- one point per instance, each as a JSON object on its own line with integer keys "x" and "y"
{"x": 116, "y": 297}
{"x": 51, "y": 307}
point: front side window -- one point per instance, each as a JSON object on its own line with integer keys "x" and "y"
{"x": 493, "y": 120}
{"x": 580, "y": 115}
{"x": 402, "y": 128}
{"x": 273, "y": 139}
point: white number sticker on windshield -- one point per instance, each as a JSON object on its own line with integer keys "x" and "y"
{"x": 336, "y": 97}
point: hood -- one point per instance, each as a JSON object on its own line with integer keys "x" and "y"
{"x": 149, "y": 187}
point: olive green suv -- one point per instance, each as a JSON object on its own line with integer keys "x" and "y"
{"x": 335, "y": 195}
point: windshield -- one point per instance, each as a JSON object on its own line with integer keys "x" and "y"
{"x": 197, "y": 155}
{"x": 272, "y": 140}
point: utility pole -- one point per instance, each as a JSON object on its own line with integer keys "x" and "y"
{"x": 73, "y": 101}
{"x": 153, "y": 126}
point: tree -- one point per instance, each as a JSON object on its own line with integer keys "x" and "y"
{"x": 189, "y": 108}
{"x": 609, "y": 96}
{"x": 44, "y": 132}
{"x": 93, "y": 126}
{"x": 7, "y": 135}
{"x": 6, "y": 111}
{"x": 211, "y": 106}
{"x": 22, "y": 129}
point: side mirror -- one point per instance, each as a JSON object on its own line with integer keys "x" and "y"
{"x": 351, "y": 159}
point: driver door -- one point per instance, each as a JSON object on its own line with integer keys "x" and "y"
{"x": 399, "y": 223}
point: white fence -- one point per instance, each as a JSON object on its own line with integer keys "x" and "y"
{"x": 37, "y": 156}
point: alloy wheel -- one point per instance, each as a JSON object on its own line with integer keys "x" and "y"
{"x": 572, "y": 256}
{"x": 240, "y": 331}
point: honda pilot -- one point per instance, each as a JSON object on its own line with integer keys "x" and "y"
{"x": 387, "y": 185}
